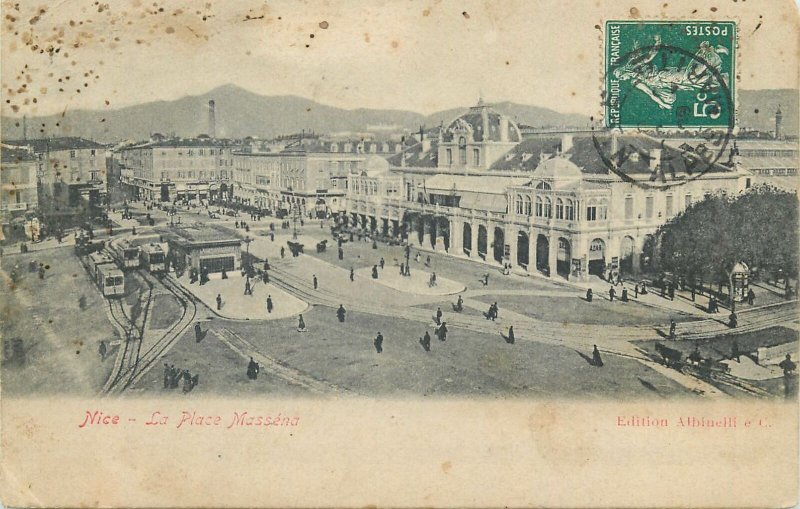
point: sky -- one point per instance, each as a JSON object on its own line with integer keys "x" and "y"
{"x": 423, "y": 56}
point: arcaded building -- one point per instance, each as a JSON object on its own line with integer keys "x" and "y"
{"x": 564, "y": 204}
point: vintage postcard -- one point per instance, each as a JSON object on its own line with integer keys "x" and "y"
{"x": 399, "y": 254}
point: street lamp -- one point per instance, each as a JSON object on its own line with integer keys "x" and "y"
{"x": 295, "y": 214}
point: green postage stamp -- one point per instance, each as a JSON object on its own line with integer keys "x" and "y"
{"x": 677, "y": 74}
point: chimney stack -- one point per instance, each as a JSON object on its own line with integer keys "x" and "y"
{"x": 778, "y": 122}
{"x": 566, "y": 143}
{"x": 655, "y": 158}
{"x": 212, "y": 119}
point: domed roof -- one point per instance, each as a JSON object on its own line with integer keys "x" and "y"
{"x": 557, "y": 167}
{"x": 482, "y": 123}
{"x": 375, "y": 166}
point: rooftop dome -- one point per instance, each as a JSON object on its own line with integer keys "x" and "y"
{"x": 557, "y": 167}
{"x": 482, "y": 123}
{"x": 376, "y": 165}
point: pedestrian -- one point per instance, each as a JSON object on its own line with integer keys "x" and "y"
{"x": 712, "y": 304}
{"x": 787, "y": 365}
{"x": 283, "y": 252}
{"x": 382, "y": 263}
{"x": 438, "y": 316}
{"x": 494, "y": 311}
{"x": 247, "y": 289}
{"x": 252, "y": 369}
{"x": 269, "y": 303}
{"x": 379, "y": 342}
{"x": 624, "y": 295}
{"x": 611, "y": 293}
{"x": 510, "y": 338}
{"x": 198, "y": 332}
{"x": 402, "y": 269}
{"x": 735, "y": 354}
{"x": 341, "y": 313}
{"x": 425, "y": 341}
{"x": 671, "y": 291}
{"x": 751, "y": 296}
{"x": 175, "y": 376}
{"x": 103, "y": 350}
{"x": 733, "y": 320}
{"x": 441, "y": 331}
{"x": 265, "y": 277}
{"x": 352, "y": 274}
{"x": 596, "y": 360}
{"x": 644, "y": 288}
{"x": 433, "y": 279}
{"x": 374, "y": 272}
{"x": 341, "y": 253}
{"x": 41, "y": 271}
{"x": 589, "y": 295}
{"x": 315, "y": 282}
{"x": 636, "y": 291}
{"x": 219, "y": 302}
{"x": 266, "y": 265}
{"x": 459, "y": 304}
{"x": 301, "y": 324}
{"x": 672, "y": 327}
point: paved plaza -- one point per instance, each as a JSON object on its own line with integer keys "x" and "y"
{"x": 555, "y": 327}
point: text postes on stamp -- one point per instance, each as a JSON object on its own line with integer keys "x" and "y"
{"x": 670, "y": 74}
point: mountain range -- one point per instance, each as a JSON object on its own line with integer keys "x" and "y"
{"x": 241, "y": 113}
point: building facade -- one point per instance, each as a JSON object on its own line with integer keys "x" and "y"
{"x": 565, "y": 205}
{"x": 18, "y": 184}
{"x": 173, "y": 169}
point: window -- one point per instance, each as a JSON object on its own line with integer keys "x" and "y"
{"x": 520, "y": 209}
{"x": 569, "y": 211}
{"x": 211, "y": 151}
{"x": 476, "y": 156}
{"x": 669, "y": 205}
{"x": 629, "y": 207}
{"x": 449, "y": 157}
{"x": 559, "y": 208}
{"x": 602, "y": 211}
{"x": 539, "y": 206}
{"x": 462, "y": 150}
{"x": 543, "y": 186}
{"x": 548, "y": 208}
{"x": 528, "y": 205}
{"x": 72, "y": 154}
{"x": 92, "y": 152}
{"x": 747, "y": 183}
{"x": 591, "y": 213}
{"x": 648, "y": 207}
{"x": 201, "y": 151}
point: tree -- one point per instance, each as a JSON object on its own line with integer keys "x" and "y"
{"x": 758, "y": 227}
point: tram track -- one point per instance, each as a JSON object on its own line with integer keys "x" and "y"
{"x": 139, "y": 362}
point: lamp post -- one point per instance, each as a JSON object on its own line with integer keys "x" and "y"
{"x": 295, "y": 214}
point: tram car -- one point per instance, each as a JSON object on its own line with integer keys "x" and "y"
{"x": 105, "y": 274}
{"x": 153, "y": 258}
{"x": 85, "y": 245}
{"x": 126, "y": 254}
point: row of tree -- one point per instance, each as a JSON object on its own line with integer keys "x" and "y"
{"x": 758, "y": 227}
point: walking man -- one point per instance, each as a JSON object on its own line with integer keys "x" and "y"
{"x": 589, "y": 295}
{"x": 425, "y": 341}
{"x": 441, "y": 332}
{"x": 269, "y": 303}
{"x": 341, "y": 313}
{"x": 247, "y": 289}
{"x": 672, "y": 327}
{"x": 624, "y": 295}
{"x": 379, "y": 343}
{"x": 510, "y": 338}
{"x": 438, "y": 316}
{"x": 751, "y": 296}
{"x": 283, "y": 252}
{"x": 611, "y": 293}
{"x": 198, "y": 332}
{"x": 219, "y": 302}
{"x": 352, "y": 275}
{"x": 596, "y": 360}
{"x": 252, "y": 369}
{"x": 636, "y": 291}
{"x": 382, "y": 263}
{"x": 315, "y": 282}
{"x": 341, "y": 254}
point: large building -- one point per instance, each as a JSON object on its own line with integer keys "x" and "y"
{"x": 307, "y": 175}
{"x": 71, "y": 172}
{"x": 171, "y": 169}
{"x": 18, "y": 185}
{"x": 569, "y": 204}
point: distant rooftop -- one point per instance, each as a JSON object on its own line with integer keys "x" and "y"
{"x": 42, "y": 145}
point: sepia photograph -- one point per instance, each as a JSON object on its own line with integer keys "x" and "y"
{"x": 253, "y": 215}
